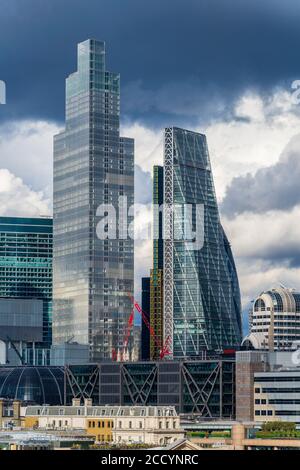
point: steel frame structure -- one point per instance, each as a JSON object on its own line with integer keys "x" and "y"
{"x": 211, "y": 397}
{"x": 168, "y": 239}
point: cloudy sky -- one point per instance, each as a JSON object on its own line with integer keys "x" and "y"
{"x": 222, "y": 67}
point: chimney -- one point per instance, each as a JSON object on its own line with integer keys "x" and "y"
{"x": 76, "y": 402}
{"x": 88, "y": 402}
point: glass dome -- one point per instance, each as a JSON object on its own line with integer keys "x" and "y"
{"x": 39, "y": 385}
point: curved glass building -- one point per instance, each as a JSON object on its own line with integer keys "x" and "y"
{"x": 38, "y": 385}
{"x": 202, "y": 306}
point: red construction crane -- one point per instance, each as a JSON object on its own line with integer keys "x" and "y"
{"x": 164, "y": 349}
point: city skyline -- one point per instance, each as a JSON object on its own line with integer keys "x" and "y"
{"x": 149, "y": 228}
{"x": 246, "y": 110}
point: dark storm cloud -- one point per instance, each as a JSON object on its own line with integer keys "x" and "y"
{"x": 273, "y": 188}
{"x": 180, "y": 60}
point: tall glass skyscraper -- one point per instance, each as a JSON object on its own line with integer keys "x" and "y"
{"x": 93, "y": 165}
{"x": 26, "y": 269}
{"x": 202, "y": 307}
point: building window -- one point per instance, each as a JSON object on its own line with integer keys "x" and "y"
{"x": 257, "y": 390}
{"x": 130, "y": 424}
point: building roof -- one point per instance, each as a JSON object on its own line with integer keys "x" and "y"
{"x": 280, "y": 298}
{"x": 102, "y": 411}
{"x": 32, "y": 384}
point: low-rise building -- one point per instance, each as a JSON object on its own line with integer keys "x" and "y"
{"x": 147, "y": 425}
{"x": 277, "y": 396}
{"x": 10, "y": 413}
{"x": 111, "y": 424}
{"x": 267, "y": 386}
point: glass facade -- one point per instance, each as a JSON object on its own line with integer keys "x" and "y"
{"x": 206, "y": 388}
{"x": 93, "y": 165}
{"x": 38, "y": 385}
{"x": 26, "y": 268}
{"x": 202, "y": 307}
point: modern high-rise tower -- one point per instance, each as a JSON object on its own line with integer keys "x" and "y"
{"x": 202, "y": 307}
{"x": 26, "y": 274}
{"x": 93, "y": 167}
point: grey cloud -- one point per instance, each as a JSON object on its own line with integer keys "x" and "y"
{"x": 273, "y": 188}
{"x": 143, "y": 186}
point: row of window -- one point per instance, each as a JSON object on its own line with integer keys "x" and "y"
{"x": 100, "y": 424}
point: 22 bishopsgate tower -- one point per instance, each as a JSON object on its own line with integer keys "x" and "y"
{"x": 93, "y": 167}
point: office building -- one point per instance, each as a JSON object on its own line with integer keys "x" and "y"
{"x": 156, "y": 274}
{"x": 145, "y": 339}
{"x": 277, "y": 396}
{"x": 202, "y": 307}
{"x": 204, "y": 388}
{"x": 93, "y": 168}
{"x": 247, "y": 363}
{"x": 69, "y": 353}
{"x": 21, "y": 328}
{"x": 274, "y": 320}
{"x": 26, "y": 286}
{"x": 267, "y": 386}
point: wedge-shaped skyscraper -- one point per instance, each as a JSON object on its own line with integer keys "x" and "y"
{"x": 202, "y": 306}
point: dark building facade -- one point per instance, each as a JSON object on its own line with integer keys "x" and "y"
{"x": 205, "y": 388}
{"x": 26, "y": 248}
{"x": 156, "y": 275}
{"x": 145, "y": 338}
{"x": 202, "y": 306}
{"x": 93, "y": 169}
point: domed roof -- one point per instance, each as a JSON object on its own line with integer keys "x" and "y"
{"x": 280, "y": 299}
{"x": 39, "y": 385}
